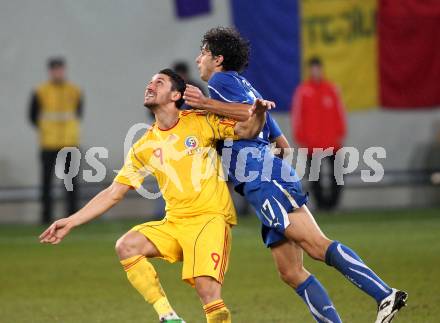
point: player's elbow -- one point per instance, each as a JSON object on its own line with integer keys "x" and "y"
{"x": 116, "y": 192}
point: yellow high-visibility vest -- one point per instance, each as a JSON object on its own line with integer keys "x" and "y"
{"x": 58, "y": 121}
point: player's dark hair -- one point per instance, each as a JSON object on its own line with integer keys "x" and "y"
{"x": 228, "y": 42}
{"x": 177, "y": 84}
{"x": 315, "y": 61}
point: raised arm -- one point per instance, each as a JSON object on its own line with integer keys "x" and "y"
{"x": 282, "y": 146}
{"x": 101, "y": 203}
{"x": 194, "y": 97}
{"x": 252, "y": 127}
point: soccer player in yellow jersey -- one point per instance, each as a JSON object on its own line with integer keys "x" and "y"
{"x": 179, "y": 150}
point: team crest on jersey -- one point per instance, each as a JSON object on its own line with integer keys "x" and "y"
{"x": 191, "y": 142}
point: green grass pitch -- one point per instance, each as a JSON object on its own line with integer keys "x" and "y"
{"x": 81, "y": 279}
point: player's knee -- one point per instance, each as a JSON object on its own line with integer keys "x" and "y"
{"x": 127, "y": 247}
{"x": 121, "y": 248}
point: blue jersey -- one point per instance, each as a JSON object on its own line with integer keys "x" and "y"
{"x": 272, "y": 197}
{"x": 232, "y": 87}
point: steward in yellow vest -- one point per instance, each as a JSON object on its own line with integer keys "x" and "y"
{"x": 55, "y": 110}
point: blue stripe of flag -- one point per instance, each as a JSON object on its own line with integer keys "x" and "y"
{"x": 273, "y": 28}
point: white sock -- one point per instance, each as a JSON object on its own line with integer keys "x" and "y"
{"x": 169, "y": 316}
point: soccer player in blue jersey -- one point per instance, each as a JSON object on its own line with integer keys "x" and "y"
{"x": 288, "y": 227}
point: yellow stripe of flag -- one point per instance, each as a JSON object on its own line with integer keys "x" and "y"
{"x": 343, "y": 34}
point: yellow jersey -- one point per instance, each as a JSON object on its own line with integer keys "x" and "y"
{"x": 186, "y": 165}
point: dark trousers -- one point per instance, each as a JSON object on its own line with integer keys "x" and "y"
{"x": 325, "y": 190}
{"x": 48, "y": 160}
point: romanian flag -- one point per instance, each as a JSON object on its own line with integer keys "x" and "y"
{"x": 378, "y": 52}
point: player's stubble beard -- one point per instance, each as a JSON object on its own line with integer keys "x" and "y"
{"x": 151, "y": 106}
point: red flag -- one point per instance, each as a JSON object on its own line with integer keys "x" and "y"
{"x": 409, "y": 53}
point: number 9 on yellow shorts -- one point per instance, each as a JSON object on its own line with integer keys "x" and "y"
{"x": 203, "y": 243}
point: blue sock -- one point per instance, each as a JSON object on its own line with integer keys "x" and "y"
{"x": 354, "y": 269}
{"x": 316, "y": 298}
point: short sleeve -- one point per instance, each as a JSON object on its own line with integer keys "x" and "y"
{"x": 134, "y": 170}
{"x": 227, "y": 88}
{"x": 221, "y": 128}
{"x": 274, "y": 128}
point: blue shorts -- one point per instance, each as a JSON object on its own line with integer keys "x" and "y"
{"x": 273, "y": 201}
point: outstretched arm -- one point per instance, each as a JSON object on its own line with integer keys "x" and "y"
{"x": 194, "y": 97}
{"x": 252, "y": 127}
{"x": 101, "y": 203}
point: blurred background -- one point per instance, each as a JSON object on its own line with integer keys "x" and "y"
{"x": 382, "y": 57}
